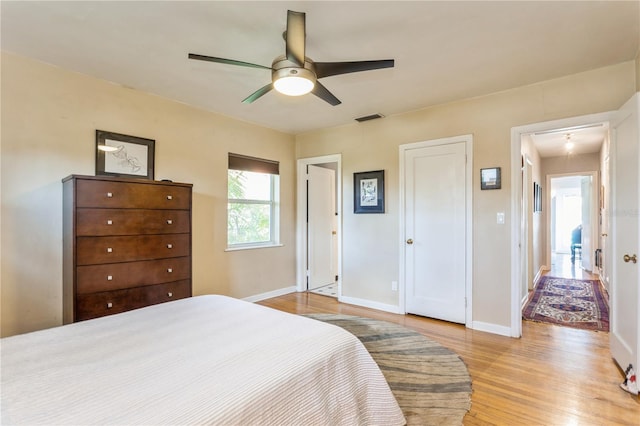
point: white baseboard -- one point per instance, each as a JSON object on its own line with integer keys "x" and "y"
{"x": 270, "y": 294}
{"x": 492, "y": 328}
{"x": 370, "y": 304}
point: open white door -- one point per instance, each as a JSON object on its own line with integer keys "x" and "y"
{"x": 321, "y": 227}
{"x": 586, "y": 255}
{"x": 625, "y": 286}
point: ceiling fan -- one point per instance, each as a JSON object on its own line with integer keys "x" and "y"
{"x": 294, "y": 74}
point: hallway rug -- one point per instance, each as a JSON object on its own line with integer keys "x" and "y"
{"x": 570, "y": 303}
{"x": 430, "y": 382}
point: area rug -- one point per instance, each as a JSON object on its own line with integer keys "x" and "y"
{"x": 569, "y": 302}
{"x": 430, "y": 382}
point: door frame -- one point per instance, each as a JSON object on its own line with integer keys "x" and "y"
{"x": 516, "y": 195}
{"x": 468, "y": 141}
{"x": 301, "y": 222}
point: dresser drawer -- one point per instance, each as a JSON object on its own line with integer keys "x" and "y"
{"x": 109, "y": 194}
{"x": 96, "y": 222}
{"x": 116, "y": 276}
{"x": 97, "y": 250}
{"x": 169, "y": 291}
{"x": 96, "y": 305}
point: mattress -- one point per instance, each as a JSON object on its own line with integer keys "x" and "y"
{"x": 202, "y": 360}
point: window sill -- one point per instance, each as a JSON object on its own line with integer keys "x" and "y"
{"x": 253, "y": 247}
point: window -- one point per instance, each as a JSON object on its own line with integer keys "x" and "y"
{"x": 252, "y": 212}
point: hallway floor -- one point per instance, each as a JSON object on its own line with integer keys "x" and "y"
{"x": 562, "y": 267}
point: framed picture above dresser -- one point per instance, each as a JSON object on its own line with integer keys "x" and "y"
{"x": 126, "y": 244}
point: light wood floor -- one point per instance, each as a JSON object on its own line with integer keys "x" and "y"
{"x": 551, "y": 376}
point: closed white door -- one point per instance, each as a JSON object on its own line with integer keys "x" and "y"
{"x": 435, "y": 231}
{"x": 625, "y": 285}
{"x": 321, "y": 211}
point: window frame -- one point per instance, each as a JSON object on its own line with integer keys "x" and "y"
{"x": 273, "y": 202}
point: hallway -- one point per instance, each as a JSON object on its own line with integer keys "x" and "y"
{"x": 562, "y": 267}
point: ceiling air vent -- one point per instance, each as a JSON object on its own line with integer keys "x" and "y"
{"x": 369, "y": 117}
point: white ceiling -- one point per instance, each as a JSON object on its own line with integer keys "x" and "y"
{"x": 586, "y": 140}
{"x": 444, "y": 51}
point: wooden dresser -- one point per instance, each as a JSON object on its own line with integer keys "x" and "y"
{"x": 127, "y": 244}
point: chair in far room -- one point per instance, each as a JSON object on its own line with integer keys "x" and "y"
{"x": 576, "y": 243}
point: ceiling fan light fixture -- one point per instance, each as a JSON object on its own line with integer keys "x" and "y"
{"x": 294, "y": 81}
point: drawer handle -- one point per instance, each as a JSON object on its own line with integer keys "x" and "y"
{"x": 109, "y": 277}
{"x": 109, "y": 222}
{"x": 170, "y": 294}
{"x": 109, "y": 305}
{"x": 169, "y": 221}
{"x": 169, "y": 270}
{"x": 169, "y": 197}
{"x": 109, "y": 195}
{"x": 169, "y": 246}
{"x": 109, "y": 250}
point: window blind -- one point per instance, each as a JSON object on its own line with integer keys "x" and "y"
{"x": 252, "y": 164}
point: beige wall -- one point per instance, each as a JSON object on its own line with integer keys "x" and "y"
{"x": 371, "y": 242}
{"x": 638, "y": 72}
{"x": 49, "y": 118}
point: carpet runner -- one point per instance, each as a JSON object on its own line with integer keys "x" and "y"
{"x": 570, "y": 303}
{"x": 430, "y": 382}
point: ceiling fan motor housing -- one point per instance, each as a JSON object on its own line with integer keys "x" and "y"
{"x": 282, "y": 67}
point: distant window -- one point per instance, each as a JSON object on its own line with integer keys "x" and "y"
{"x": 253, "y": 194}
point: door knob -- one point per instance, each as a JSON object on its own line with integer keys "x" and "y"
{"x": 604, "y": 235}
{"x": 409, "y": 241}
{"x": 628, "y": 258}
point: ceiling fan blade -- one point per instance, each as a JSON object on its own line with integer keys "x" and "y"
{"x": 295, "y": 37}
{"x": 323, "y": 93}
{"x": 257, "y": 94}
{"x": 326, "y": 69}
{"x": 225, "y": 61}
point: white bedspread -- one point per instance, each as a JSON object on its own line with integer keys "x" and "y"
{"x": 201, "y": 360}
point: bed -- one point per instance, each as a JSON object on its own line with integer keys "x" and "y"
{"x": 202, "y": 360}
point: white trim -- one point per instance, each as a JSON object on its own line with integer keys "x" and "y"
{"x": 492, "y": 328}
{"x": 301, "y": 222}
{"x": 370, "y": 304}
{"x": 252, "y": 247}
{"x": 516, "y": 195}
{"x": 468, "y": 141}
{"x": 270, "y": 294}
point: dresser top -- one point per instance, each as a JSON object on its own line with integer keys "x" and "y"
{"x": 126, "y": 180}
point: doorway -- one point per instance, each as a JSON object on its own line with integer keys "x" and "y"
{"x": 572, "y": 224}
{"x": 319, "y": 228}
{"x": 519, "y": 242}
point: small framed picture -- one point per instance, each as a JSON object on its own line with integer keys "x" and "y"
{"x": 124, "y": 155}
{"x": 490, "y": 178}
{"x": 368, "y": 192}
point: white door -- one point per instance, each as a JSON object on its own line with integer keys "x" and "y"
{"x": 605, "y": 257}
{"x": 586, "y": 253}
{"x": 435, "y": 231}
{"x": 320, "y": 227}
{"x": 625, "y": 292}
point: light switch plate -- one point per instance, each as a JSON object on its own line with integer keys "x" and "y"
{"x": 500, "y": 218}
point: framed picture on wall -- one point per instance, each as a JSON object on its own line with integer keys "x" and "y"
{"x": 124, "y": 155}
{"x": 368, "y": 192}
{"x": 490, "y": 178}
{"x": 537, "y": 197}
